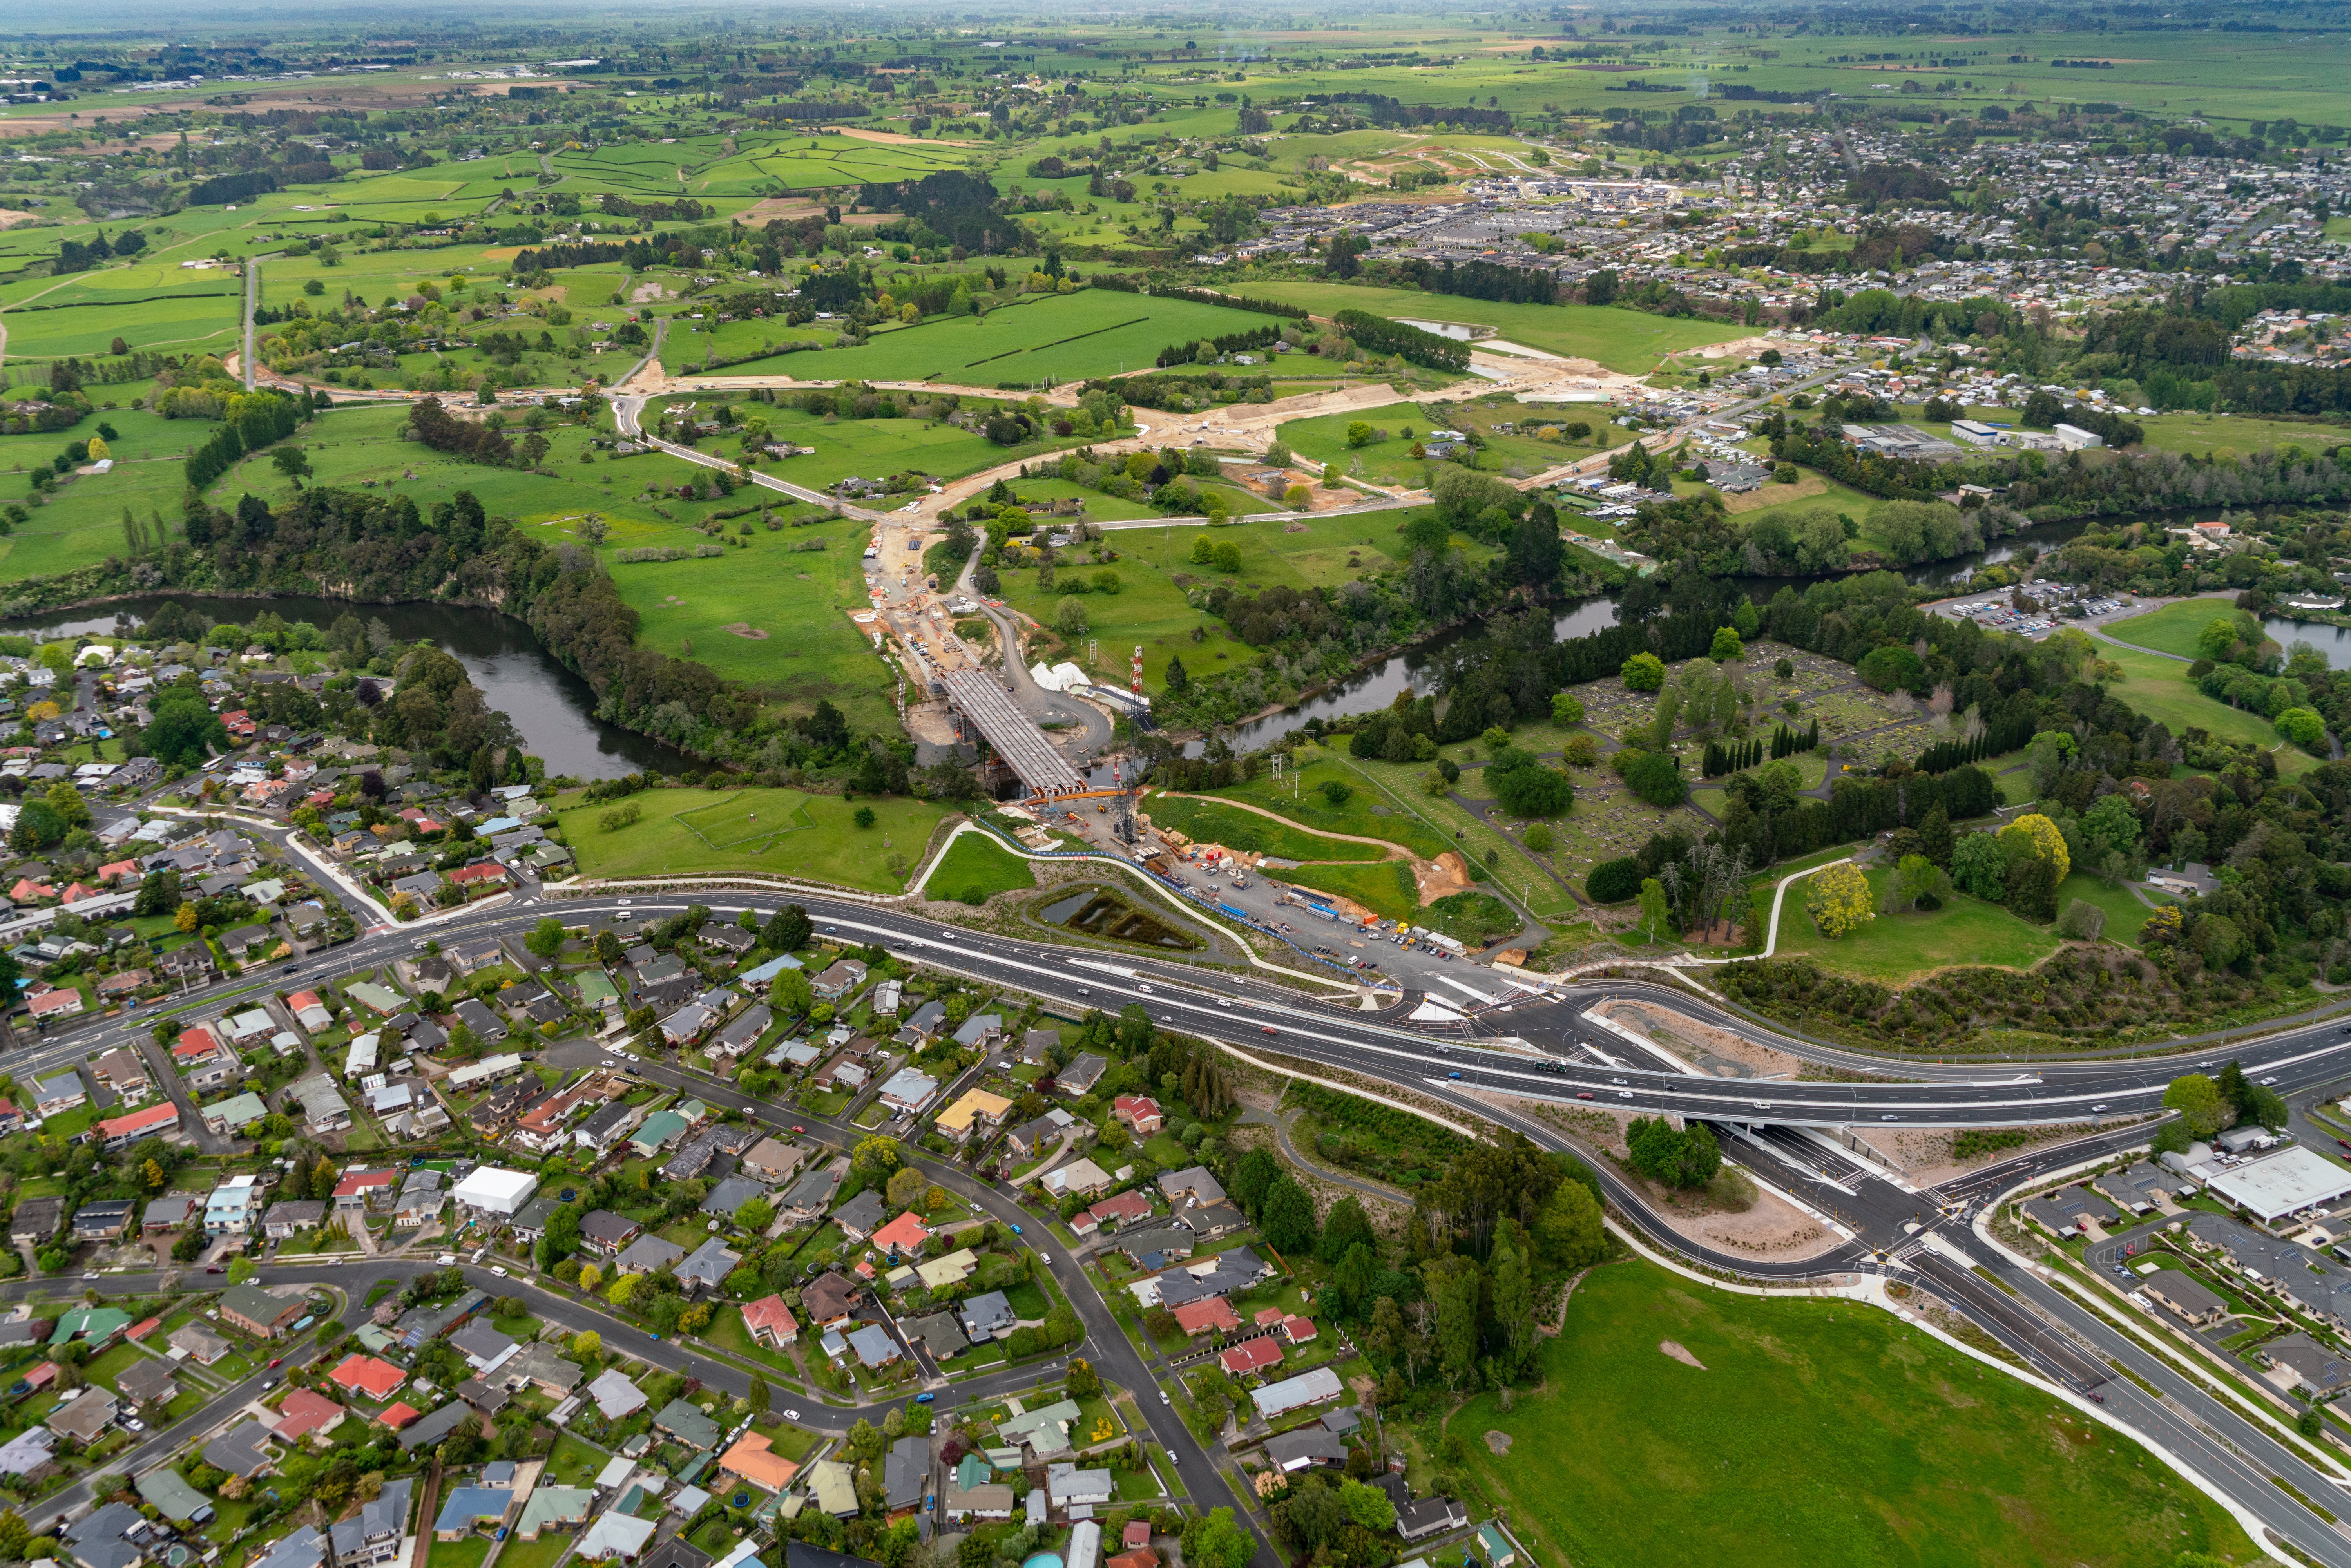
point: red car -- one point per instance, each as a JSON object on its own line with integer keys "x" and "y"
{"x": 212, "y": 1269}
{"x": 274, "y": 1361}
{"x": 1270, "y": 1029}
{"x": 1583, "y": 1094}
{"x": 801, "y": 1130}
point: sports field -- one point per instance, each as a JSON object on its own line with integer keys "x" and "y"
{"x": 1043, "y": 338}
{"x": 1628, "y": 340}
{"x": 1810, "y": 1433}
{"x": 775, "y": 832}
{"x": 2173, "y": 628}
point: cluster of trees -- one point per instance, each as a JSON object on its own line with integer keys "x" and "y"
{"x": 1378, "y": 335}
{"x": 2207, "y": 1105}
{"x": 474, "y": 440}
{"x": 254, "y": 420}
{"x": 1687, "y": 1157}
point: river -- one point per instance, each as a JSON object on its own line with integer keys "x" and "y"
{"x": 1378, "y": 686}
{"x": 553, "y": 708}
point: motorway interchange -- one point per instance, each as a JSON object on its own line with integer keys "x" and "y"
{"x": 1493, "y": 1069}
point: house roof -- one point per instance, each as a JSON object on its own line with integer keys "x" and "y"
{"x": 769, "y": 1313}
{"x": 904, "y": 1234}
{"x": 366, "y": 1374}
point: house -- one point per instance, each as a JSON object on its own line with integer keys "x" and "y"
{"x": 1214, "y": 1315}
{"x": 828, "y": 1300}
{"x": 732, "y": 1194}
{"x": 59, "y": 1003}
{"x": 833, "y": 1489}
{"x": 484, "y": 1347}
{"x": 81, "y": 1420}
{"x": 608, "y": 1126}
{"x": 372, "y": 1539}
{"x": 477, "y": 1016}
{"x": 980, "y": 1032}
{"x": 687, "y": 1424}
{"x": 904, "y": 1234}
{"x": 2185, "y": 1296}
{"x": 949, "y": 1271}
{"x": 873, "y": 1346}
{"x": 861, "y": 1215}
{"x": 1184, "y": 1189}
{"x": 304, "y": 1412}
{"x": 976, "y": 1111}
{"x": 231, "y": 1207}
{"x": 538, "y": 1366}
{"x": 906, "y": 1475}
{"x": 243, "y": 1451}
{"x": 174, "y": 1499}
{"x": 1251, "y": 1356}
{"x": 812, "y": 1193}
{"x": 257, "y": 1313}
{"x": 1140, "y": 1111}
{"x": 1296, "y": 1451}
{"x": 989, "y": 1315}
{"x": 103, "y": 1222}
{"x": 773, "y": 1162}
{"x": 310, "y": 1011}
{"x": 37, "y": 1220}
{"x": 1044, "y": 1431}
{"x": 937, "y": 1332}
{"x": 2311, "y": 1365}
{"x": 551, "y": 1507}
{"x": 1083, "y": 1072}
{"x": 203, "y": 1345}
{"x": 1069, "y": 1487}
{"x": 427, "y": 1431}
{"x": 364, "y": 1375}
{"x": 233, "y": 1114}
{"x": 59, "y": 1092}
{"x": 616, "y": 1398}
{"x": 360, "y": 1190}
{"x": 607, "y": 1232}
{"x": 744, "y": 1033}
{"x": 838, "y": 980}
{"x": 1119, "y": 1209}
{"x": 1499, "y": 1552}
{"x": 1080, "y": 1176}
{"x": 493, "y": 1194}
{"x": 1210, "y": 1220}
{"x": 909, "y": 1090}
{"x": 169, "y": 1213}
{"x": 615, "y": 1534}
{"x": 1030, "y": 1138}
{"x": 924, "y": 1026}
{"x": 650, "y": 1255}
{"x": 121, "y": 1132}
{"x": 752, "y": 1460}
{"x": 707, "y": 1266}
{"x": 770, "y": 1322}
{"x": 1278, "y": 1399}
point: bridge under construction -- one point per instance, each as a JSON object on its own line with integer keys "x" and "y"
{"x": 982, "y": 700}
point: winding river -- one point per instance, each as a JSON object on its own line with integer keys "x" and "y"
{"x": 552, "y": 708}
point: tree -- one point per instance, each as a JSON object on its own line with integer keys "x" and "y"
{"x": 1514, "y": 1299}
{"x": 1655, "y": 916}
{"x": 241, "y": 1270}
{"x": 1727, "y": 647}
{"x": 1917, "y": 883}
{"x": 2035, "y": 835}
{"x": 755, "y": 1215}
{"x": 788, "y": 929}
{"x": 877, "y": 1154}
{"x": 2198, "y": 1099}
{"x": 1216, "y": 1542}
{"x": 2305, "y": 728}
{"x": 1366, "y": 1507}
{"x": 904, "y": 1188}
{"x": 546, "y": 938}
{"x": 863, "y": 817}
{"x": 293, "y": 462}
{"x": 1980, "y": 867}
{"x": 1644, "y": 673}
{"x": 1686, "y": 1158}
{"x": 584, "y": 1345}
{"x": 1453, "y": 1284}
{"x": 1566, "y": 707}
{"x": 1568, "y": 1231}
{"x": 1289, "y": 1219}
{"x": 590, "y": 1278}
{"x": 1347, "y": 1224}
{"x": 2082, "y": 921}
{"x": 1084, "y": 1382}
{"x": 2111, "y": 824}
{"x": 1838, "y": 900}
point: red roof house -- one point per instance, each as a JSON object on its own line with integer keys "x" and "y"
{"x": 305, "y": 1413}
{"x": 770, "y": 1322}
{"x": 1140, "y": 1111}
{"x": 904, "y": 1234}
{"x": 1214, "y": 1312}
{"x": 397, "y": 1415}
{"x": 196, "y": 1047}
{"x": 1297, "y": 1331}
{"x": 1251, "y": 1355}
{"x": 366, "y": 1374}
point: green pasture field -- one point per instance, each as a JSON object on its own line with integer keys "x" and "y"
{"x": 81, "y": 323}
{"x": 867, "y": 448}
{"x": 1628, "y": 340}
{"x": 1383, "y": 887}
{"x": 1099, "y": 507}
{"x": 2125, "y": 913}
{"x": 976, "y": 864}
{"x": 2222, "y": 436}
{"x": 1298, "y": 796}
{"x": 798, "y": 597}
{"x": 2173, "y": 628}
{"x": 1213, "y": 821}
{"x": 779, "y": 833}
{"x": 82, "y": 522}
{"x": 1043, "y": 338}
{"x": 1894, "y": 949}
{"x": 1323, "y": 439}
{"x": 1150, "y": 609}
{"x": 1818, "y": 1432}
{"x": 2158, "y": 687}
{"x": 690, "y": 342}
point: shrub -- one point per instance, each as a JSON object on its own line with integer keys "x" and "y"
{"x": 1644, "y": 671}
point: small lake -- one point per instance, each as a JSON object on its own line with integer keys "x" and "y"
{"x": 1453, "y": 330}
{"x": 2335, "y": 642}
{"x": 553, "y": 708}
